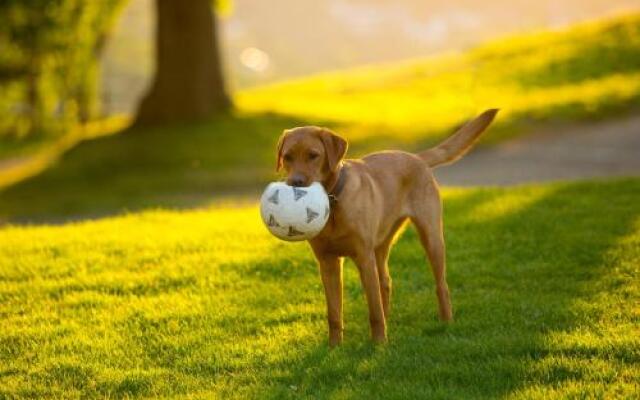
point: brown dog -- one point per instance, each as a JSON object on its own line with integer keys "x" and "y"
{"x": 374, "y": 197}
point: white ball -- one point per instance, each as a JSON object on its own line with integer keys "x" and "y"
{"x": 294, "y": 213}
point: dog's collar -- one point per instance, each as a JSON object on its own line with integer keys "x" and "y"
{"x": 335, "y": 191}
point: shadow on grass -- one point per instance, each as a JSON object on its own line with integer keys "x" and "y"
{"x": 173, "y": 166}
{"x": 515, "y": 280}
{"x": 191, "y": 165}
{"x": 176, "y": 166}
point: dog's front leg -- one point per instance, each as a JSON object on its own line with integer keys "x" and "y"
{"x": 366, "y": 263}
{"x": 331, "y": 272}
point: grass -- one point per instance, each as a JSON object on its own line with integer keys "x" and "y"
{"x": 150, "y": 167}
{"x": 590, "y": 71}
{"x": 205, "y": 304}
{"x": 587, "y": 71}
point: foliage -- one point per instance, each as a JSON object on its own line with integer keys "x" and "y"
{"x": 205, "y": 304}
{"x": 586, "y": 71}
{"x": 48, "y": 66}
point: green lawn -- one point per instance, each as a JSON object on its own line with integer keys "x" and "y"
{"x": 204, "y": 304}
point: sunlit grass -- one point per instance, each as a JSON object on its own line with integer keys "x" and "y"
{"x": 508, "y": 203}
{"x": 204, "y": 303}
{"x": 584, "y": 72}
{"x": 20, "y": 160}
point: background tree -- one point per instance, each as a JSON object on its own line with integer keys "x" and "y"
{"x": 188, "y": 82}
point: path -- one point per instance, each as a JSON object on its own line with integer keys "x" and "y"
{"x": 588, "y": 150}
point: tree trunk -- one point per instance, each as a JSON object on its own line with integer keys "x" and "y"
{"x": 188, "y": 82}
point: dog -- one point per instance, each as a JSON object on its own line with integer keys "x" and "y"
{"x": 372, "y": 198}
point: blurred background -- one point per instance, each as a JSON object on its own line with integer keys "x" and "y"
{"x": 116, "y": 105}
{"x": 263, "y": 42}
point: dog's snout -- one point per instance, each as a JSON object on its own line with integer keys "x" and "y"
{"x": 297, "y": 181}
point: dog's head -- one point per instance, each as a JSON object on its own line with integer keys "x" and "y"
{"x": 309, "y": 154}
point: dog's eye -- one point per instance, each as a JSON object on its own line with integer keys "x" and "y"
{"x": 313, "y": 156}
{"x": 288, "y": 157}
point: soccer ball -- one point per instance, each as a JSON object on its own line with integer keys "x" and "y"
{"x": 294, "y": 213}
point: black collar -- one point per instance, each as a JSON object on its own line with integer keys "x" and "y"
{"x": 338, "y": 186}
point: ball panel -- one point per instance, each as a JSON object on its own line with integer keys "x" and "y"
{"x": 311, "y": 215}
{"x": 294, "y": 213}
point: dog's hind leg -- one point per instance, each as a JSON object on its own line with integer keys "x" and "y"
{"x": 382, "y": 258}
{"x": 427, "y": 217}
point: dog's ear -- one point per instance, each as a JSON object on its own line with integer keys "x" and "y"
{"x": 279, "y": 150}
{"x": 335, "y": 147}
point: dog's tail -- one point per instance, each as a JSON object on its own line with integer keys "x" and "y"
{"x": 458, "y": 144}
